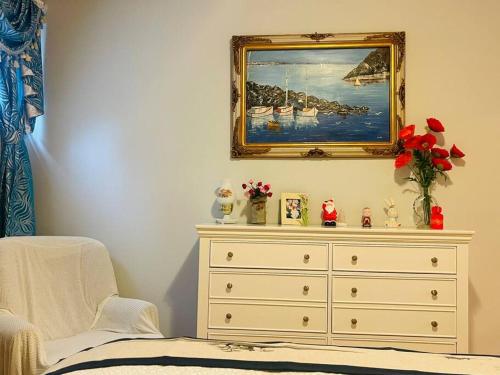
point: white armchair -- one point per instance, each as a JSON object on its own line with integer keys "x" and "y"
{"x": 58, "y": 295}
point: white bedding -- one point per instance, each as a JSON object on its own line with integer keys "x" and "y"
{"x": 191, "y": 356}
{"x": 174, "y": 370}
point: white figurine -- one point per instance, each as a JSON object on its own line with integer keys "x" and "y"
{"x": 341, "y": 220}
{"x": 225, "y": 197}
{"x": 392, "y": 214}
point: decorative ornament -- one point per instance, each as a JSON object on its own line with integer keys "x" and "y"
{"x": 225, "y": 197}
{"x": 366, "y": 217}
{"x": 329, "y": 213}
{"x": 341, "y": 219}
{"x": 392, "y": 214}
{"x": 436, "y": 218}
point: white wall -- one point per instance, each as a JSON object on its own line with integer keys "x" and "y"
{"x": 136, "y": 136}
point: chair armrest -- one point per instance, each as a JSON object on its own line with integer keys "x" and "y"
{"x": 21, "y": 346}
{"x": 126, "y": 315}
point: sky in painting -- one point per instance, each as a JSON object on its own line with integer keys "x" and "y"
{"x": 308, "y": 56}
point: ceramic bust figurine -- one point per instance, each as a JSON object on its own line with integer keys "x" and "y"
{"x": 225, "y": 197}
{"x": 329, "y": 213}
{"x": 392, "y": 214}
{"x": 366, "y": 218}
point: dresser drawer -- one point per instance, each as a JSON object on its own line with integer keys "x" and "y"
{"x": 277, "y": 255}
{"x": 421, "y": 346}
{"x": 267, "y": 317}
{"x": 394, "y": 259}
{"x": 394, "y": 322}
{"x": 394, "y": 290}
{"x": 268, "y": 286}
{"x": 248, "y": 337}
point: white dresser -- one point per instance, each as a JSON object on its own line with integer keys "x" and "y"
{"x": 404, "y": 288}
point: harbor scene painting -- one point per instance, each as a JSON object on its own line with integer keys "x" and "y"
{"x": 318, "y": 95}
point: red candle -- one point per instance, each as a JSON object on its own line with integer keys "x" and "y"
{"x": 436, "y": 217}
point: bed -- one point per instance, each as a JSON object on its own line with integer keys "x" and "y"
{"x": 197, "y": 356}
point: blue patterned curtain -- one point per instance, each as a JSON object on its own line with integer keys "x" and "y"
{"x": 21, "y": 101}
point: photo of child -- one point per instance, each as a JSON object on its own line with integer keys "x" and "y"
{"x": 293, "y": 209}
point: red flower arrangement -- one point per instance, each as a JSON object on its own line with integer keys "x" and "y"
{"x": 425, "y": 161}
{"x": 258, "y": 190}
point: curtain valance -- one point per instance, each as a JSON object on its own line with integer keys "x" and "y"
{"x": 20, "y": 31}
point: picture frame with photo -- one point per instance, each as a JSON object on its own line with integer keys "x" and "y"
{"x": 293, "y": 208}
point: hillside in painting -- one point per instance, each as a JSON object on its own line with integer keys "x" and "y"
{"x": 375, "y": 66}
{"x": 266, "y": 95}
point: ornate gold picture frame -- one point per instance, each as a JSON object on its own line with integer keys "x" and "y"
{"x": 317, "y": 95}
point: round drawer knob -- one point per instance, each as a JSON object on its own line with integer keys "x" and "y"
{"x": 306, "y": 288}
{"x": 228, "y": 316}
{"x": 354, "y": 321}
{"x": 354, "y": 258}
{"x": 434, "y": 260}
{"x": 354, "y": 290}
{"x": 229, "y": 285}
{"x": 230, "y": 254}
{"x": 305, "y": 319}
{"x": 434, "y": 292}
{"x": 306, "y": 257}
{"x": 434, "y": 324}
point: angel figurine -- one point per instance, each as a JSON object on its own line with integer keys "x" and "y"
{"x": 391, "y": 213}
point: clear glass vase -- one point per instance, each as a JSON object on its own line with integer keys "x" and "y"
{"x": 422, "y": 208}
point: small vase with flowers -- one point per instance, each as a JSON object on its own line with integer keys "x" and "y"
{"x": 257, "y": 194}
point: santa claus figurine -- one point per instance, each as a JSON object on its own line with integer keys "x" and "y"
{"x": 329, "y": 213}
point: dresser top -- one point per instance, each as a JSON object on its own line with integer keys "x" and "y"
{"x": 337, "y": 233}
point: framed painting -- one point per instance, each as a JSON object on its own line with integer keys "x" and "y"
{"x": 317, "y": 95}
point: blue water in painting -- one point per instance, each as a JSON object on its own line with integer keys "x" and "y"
{"x": 323, "y": 80}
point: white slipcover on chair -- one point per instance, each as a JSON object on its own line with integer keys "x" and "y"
{"x": 58, "y": 295}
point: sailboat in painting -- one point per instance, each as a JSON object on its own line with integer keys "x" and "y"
{"x": 306, "y": 111}
{"x": 260, "y": 111}
{"x": 285, "y": 110}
